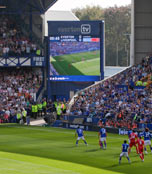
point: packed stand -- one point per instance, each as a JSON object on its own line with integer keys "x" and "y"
{"x": 18, "y": 88}
{"x": 124, "y": 100}
{"x": 13, "y": 42}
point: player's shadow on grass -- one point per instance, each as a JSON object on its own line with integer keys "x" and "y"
{"x": 122, "y": 164}
{"x": 92, "y": 150}
{"x": 116, "y": 155}
{"x": 134, "y": 155}
{"x": 72, "y": 146}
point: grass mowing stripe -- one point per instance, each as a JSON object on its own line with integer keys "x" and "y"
{"x": 89, "y": 60}
{"x": 59, "y": 68}
{"x": 89, "y": 67}
{"x": 34, "y": 166}
{"x": 64, "y": 132}
{"x": 31, "y": 164}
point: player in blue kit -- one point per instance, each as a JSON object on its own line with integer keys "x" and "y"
{"x": 124, "y": 152}
{"x": 80, "y": 134}
{"x": 102, "y": 137}
{"x": 129, "y": 132}
{"x": 147, "y": 139}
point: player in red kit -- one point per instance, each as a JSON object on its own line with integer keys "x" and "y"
{"x": 140, "y": 143}
{"x": 133, "y": 137}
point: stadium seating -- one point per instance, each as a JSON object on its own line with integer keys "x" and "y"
{"x": 119, "y": 101}
{"x": 18, "y": 88}
{"x": 18, "y": 85}
{"x": 13, "y": 42}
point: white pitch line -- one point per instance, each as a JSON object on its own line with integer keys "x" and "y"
{"x": 38, "y": 165}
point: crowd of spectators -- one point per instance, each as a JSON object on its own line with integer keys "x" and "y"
{"x": 13, "y": 42}
{"x": 18, "y": 88}
{"x": 119, "y": 101}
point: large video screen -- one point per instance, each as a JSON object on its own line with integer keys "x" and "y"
{"x": 74, "y": 55}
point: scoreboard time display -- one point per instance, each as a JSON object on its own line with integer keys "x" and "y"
{"x": 73, "y": 39}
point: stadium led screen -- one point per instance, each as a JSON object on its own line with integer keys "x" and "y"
{"x": 75, "y": 57}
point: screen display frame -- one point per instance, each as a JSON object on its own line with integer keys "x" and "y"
{"x": 62, "y": 28}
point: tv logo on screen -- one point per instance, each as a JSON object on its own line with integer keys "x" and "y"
{"x": 85, "y": 29}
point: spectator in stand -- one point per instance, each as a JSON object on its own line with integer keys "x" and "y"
{"x": 18, "y": 88}
{"x": 12, "y": 41}
{"x": 119, "y": 106}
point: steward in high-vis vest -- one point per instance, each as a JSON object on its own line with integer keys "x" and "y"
{"x": 33, "y": 110}
{"x": 39, "y": 109}
{"x": 139, "y": 83}
{"x": 56, "y": 104}
{"x": 38, "y": 52}
{"x": 59, "y": 111}
{"x": 44, "y": 106}
{"x": 24, "y": 114}
{"x": 145, "y": 83}
{"x": 18, "y": 116}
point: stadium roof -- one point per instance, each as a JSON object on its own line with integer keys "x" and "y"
{"x": 25, "y": 6}
{"x": 52, "y": 15}
{"x": 112, "y": 70}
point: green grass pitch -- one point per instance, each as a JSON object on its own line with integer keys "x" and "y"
{"x": 87, "y": 63}
{"x": 45, "y": 150}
